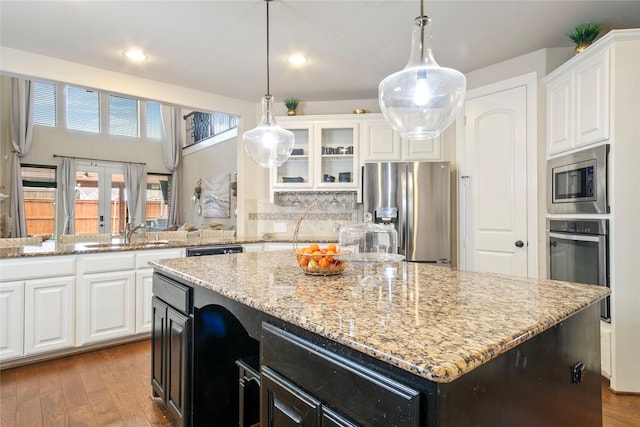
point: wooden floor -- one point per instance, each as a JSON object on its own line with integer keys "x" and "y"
{"x": 111, "y": 387}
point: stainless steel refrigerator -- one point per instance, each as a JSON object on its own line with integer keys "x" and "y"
{"x": 416, "y": 198}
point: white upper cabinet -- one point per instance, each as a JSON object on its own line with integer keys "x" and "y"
{"x": 380, "y": 143}
{"x": 592, "y": 100}
{"x": 578, "y": 102}
{"x": 297, "y": 171}
{"x": 336, "y": 159}
{"x": 560, "y": 114}
{"x": 325, "y": 155}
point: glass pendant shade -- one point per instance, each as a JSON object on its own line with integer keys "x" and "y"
{"x": 423, "y": 99}
{"x": 268, "y": 144}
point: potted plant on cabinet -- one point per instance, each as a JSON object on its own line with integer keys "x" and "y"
{"x": 292, "y": 105}
{"x": 585, "y": 34}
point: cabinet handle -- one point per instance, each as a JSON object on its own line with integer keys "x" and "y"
{"x": 519, "y": 243}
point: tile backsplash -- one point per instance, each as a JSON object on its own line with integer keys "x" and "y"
{"x": 331, "y": 211}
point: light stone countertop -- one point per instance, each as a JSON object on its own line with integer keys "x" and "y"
{"x": 53, "y": 247}
{"x": 434, "y": 321}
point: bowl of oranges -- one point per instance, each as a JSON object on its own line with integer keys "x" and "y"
{"x": 319, "y": 261}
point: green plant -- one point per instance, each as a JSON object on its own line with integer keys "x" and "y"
{"x": 291, "y": 103}
{"x": 585, "y": 33}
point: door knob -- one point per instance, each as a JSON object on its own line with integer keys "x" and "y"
{"x": 519, "y": 243}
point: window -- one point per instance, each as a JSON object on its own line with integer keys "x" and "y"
{"x": 158, "y": 199}
{"x": 44, "y": 104}
{"x": 123, "y": 116}
{"x": 39, "y": 185}
{"x": 83, "y": 109}
{"x": 201, "y": 126}
{"x": 154, "y": 120}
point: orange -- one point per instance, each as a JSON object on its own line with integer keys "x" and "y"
{"x": 324, "y": 262}
{"x": 314, "y": 247}
{"x": 304, "y": 260}
{"x": 331, "y": 247}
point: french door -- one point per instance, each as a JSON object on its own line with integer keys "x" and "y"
{"x": 100, "y": 205}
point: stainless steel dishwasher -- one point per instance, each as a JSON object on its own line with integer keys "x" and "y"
{"x": 213, "y": 250}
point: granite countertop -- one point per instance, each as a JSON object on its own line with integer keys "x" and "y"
{"x": 53, "y": 247}
{"x": 434, "y": 321}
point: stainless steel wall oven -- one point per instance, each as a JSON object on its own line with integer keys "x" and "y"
{"x": 579, "y": 252}
{"x": 577, "y": 182}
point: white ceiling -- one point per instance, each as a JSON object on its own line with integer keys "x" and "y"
{"x": 219, "y": 46}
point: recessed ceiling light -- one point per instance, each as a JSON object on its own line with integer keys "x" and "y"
{"x": 297, "y": 59}
{"x": 135, "y": 55}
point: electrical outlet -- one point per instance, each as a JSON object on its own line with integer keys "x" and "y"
{"x": 280, "y": 227}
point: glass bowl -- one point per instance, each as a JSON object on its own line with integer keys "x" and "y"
{"x": 370, "y": 242}
{"x": 319, "y": 261}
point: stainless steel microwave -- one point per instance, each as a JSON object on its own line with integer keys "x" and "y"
{"x": 577, "y": 182}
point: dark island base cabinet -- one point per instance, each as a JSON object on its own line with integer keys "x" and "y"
{"x": 171, "y": 342}
{"x": 553, "y": 379}
{"x": 303, "y": 384}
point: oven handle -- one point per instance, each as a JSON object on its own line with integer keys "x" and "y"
{"x": 578, "y": 237}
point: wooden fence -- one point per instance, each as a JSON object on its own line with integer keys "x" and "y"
{"x": 41, "y": 216}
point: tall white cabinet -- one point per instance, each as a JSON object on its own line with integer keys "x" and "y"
{"x": 593, "y": 99}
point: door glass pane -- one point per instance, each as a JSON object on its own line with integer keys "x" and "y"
{"x": 87, "y": 198}
{"x": 100, "y": 201}
{"x": 118, "y": 203}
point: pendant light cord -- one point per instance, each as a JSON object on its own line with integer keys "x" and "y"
{"x": 422, "y": 31}
{"x": 268, "y": 90}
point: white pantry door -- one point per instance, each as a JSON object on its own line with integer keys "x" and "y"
{"x": 495, "y": 182}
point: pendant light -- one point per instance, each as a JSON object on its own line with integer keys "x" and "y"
{"x": 268, "y": 144}
{"x": 423, "y": 99}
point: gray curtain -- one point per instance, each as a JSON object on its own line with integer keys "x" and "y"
{"x": 134, "y": 183}
{"x": 21, "y": 137}
{"x": 171, "y": 155}
{"x": 67, "y": 181}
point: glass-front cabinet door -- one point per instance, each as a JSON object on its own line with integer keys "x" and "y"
{"x": 336, "y": 155}
{"x": 297, "y": 171}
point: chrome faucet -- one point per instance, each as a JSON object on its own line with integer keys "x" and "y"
{"x": 129, "y": 231}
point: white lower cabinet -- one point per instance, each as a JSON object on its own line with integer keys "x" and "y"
{"x": 48, "y": 314}
{"x": 106, "y": 297}
{"x": 106, "y": 306}
{"x": 278, "y": 246}
{"x": 144, "y": 280}
{"x": 252, "y": 247}
{"x": 144, "y": 292}
{"x": 12, "y": 320}
{"x": 53, "y": 303}
{"x": 37, "y": 297}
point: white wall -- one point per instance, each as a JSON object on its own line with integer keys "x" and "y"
{"x": 213, "y": 161}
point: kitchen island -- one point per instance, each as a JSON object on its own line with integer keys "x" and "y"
{"x": 429, "y": 346}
